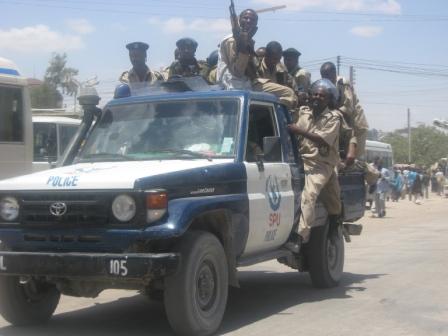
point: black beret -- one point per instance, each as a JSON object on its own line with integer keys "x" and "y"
{"x": 137, "y": 46}
{"x": 186, "y": 40}
{"x": 291, "y": 51}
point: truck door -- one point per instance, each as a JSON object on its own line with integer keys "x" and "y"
{"x": 271, "y": 198}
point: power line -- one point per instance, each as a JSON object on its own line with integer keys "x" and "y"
{"x": 368, "y": 17}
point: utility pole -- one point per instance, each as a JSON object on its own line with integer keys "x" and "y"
{"x": 338, "y": 62}
{"x": 352, "y": 75}
{"x": 409, "y": 136}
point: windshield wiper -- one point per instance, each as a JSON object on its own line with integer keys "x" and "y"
{"x": 186, "y": 152}
{"x": 97, "y": 157}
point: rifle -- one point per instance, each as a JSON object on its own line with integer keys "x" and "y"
{"x": 234, "y": 21}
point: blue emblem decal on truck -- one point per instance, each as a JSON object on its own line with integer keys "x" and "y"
{"x": 273, "y": 191}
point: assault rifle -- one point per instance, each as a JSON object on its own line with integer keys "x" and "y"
{"x": 236, "y": 30}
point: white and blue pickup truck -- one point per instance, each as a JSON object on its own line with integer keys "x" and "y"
{"x": 167, "y": 193}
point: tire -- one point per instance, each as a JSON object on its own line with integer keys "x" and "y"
{"x": 27, "y": 304}
{"x": 196, "y": 296}
{"x": 325, "y": 257}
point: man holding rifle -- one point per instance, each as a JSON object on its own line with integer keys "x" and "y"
{"x": 238, "y": 63}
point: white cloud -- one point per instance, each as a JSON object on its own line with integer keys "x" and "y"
{"x": 80, "y": 26}
{"x": 391, "y": 7}
{"x": 177, "y": 25}
{"x": 39, "y": 38}
{"x": 366, "y": 31}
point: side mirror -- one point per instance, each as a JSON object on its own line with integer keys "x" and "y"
{"x": 272, "y": 149}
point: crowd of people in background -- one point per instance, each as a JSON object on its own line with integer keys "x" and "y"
{"x": 402, "y": 182}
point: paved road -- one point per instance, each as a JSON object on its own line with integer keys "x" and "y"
{"x": 395, "y": 283}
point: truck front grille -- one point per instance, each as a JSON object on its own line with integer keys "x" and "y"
{"x": 64, "y": 209}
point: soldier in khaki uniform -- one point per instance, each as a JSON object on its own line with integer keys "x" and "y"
{"x": 350, "y": 107}
{"x": 272, "y": 69}
{"x": 273, "y": 77}
{"x": 318, "y": 129}
{"x": 140, "y": 72}
{"x": 353, "y": 113}
{"x": 238, "y": 63}
{"x": 300, "y": 75}
{"x": 187, "y": 65}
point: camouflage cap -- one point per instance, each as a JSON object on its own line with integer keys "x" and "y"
{"x": 137, "y": 46}
{"x": 186, "y": 41}
{"x": 291, "y": 51}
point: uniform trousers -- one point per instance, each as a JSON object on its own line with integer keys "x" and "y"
{"x": 321, "y": 182}
{"x": 285, "y": 94}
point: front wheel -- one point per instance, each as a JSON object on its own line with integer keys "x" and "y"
{"x": 196, "y": 296}
{"x": 325, "y": 255}
{"x": 29, "y": 303}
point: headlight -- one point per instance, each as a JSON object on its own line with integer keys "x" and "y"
{"x": 9, "y": 209}
{"x": 124, "y": 208}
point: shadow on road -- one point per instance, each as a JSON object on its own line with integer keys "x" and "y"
{"x": 261, "y": 295}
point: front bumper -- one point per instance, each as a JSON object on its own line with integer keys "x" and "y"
{"x": 106, "y": 266}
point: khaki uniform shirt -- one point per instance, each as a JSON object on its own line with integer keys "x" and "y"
{"x": 197, "y": 68}
{"x": 131, "y": 76}
{"x": 328, "y": 126}
{"x": 351, "y": 108}
{"x": 235, "y": 69}
{"x": 302, "y": 78}
{"x": 279, "y": 75}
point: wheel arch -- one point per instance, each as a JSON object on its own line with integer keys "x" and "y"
{"x": 224, "y": 223}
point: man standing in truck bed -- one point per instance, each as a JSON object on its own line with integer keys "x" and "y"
{"x": 318, "y": 129}
{"x": 140, "y": 73}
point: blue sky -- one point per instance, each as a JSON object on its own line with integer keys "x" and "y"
{"x": 395, "y": 35}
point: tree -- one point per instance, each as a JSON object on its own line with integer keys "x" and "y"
{"x": 45, "y": 96}
{"x": 60, "y": 76}
{"x": 428, "y": 145}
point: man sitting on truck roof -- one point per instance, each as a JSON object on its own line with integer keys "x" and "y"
{"x": 318, "y": 128}
{"x": 238, "y": 63}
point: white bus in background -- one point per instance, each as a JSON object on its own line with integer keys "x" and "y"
{"x": 52, "y": 134}
{"x": 382, "y": 150}
{"x": 16, "y": 132}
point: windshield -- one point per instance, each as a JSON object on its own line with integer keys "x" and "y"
{"x": 164, "y": 130}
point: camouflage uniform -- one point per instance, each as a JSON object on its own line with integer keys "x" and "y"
{"x": 129, "y": 77}
{"x": 198, "y": 68}
{"x": 321, "y": 180}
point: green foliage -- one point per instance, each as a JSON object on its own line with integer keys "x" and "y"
{"x": 45, "y": 96}
{"x": 428, "y": 145}
{"x": 60, "y": 76}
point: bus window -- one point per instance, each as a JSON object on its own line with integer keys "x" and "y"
{"x": 11, "y": 114}
{"x": 66, "y": 133}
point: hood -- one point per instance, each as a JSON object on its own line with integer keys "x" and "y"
{"x": 101, "y": 175}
